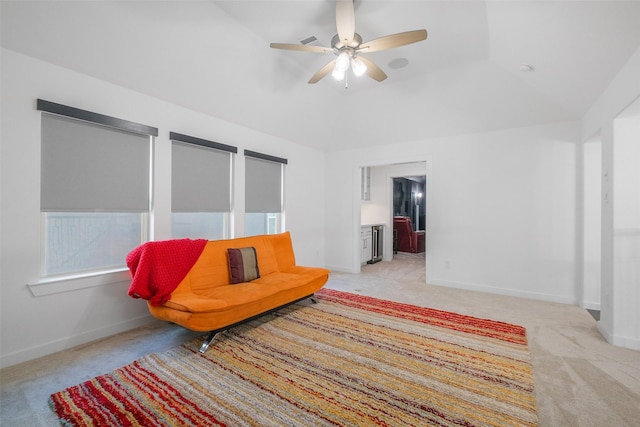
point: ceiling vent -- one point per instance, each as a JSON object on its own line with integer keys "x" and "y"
{"x": 309, "y": 40}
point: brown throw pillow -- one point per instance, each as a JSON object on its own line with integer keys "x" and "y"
{"x": 243, "y": 264}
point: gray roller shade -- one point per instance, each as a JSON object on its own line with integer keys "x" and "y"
{"x": 263, "y": 185}
{"x": 200, "y": 179}
{"x": 90, "y": 167}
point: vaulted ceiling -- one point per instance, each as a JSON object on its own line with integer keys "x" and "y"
{"x": 214, "y": 57}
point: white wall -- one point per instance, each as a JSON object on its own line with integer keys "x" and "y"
{"x": 35, "y": 326}
{"x": 501, "y": 209}
{"x": 626, "y": 226}
{"x": 615, "y": 314}
{"x": 592, "y": 159}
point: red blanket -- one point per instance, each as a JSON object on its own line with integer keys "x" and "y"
{"x": 158, "y": 268}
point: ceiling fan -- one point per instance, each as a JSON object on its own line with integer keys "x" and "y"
{"x": 348, "y": 47}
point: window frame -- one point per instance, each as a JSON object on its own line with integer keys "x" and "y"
{"x": 64, "y": 282}
{"x": 278, "y": 216}
{"x": 208, "y": 144}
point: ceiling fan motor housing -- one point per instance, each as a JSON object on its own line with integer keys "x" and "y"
{"x": 339, "y": 45}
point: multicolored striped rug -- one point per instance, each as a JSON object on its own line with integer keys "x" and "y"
{"x": 348, "y": 360}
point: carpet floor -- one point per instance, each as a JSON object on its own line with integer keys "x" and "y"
{"x": 348, "y": 360}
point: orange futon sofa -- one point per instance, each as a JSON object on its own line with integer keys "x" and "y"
{"x": 205, "y": 299}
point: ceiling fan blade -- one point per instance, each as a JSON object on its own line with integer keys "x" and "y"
{"x": 373, "y": 70}
{"x": 323, "y": 72}
{"x": 394, "y": 40}
{"x": 301, "y": 47}
{"x": 345, "y": 21}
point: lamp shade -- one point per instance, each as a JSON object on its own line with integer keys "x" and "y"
{"x": 342, "y": 63}
{"x": 338, "y": 74}
{"x": 358, "y": 67}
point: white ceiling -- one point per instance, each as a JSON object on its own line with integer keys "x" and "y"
{"x": 214, "y": 57}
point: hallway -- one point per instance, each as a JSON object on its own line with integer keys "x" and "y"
{"x": 405, "y": 266}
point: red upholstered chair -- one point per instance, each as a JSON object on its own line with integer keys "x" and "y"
{"x": 407, "y": 240}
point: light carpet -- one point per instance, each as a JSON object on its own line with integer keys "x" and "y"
{"x": 348, "y": 360}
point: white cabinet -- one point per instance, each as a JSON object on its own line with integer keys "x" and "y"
{"x": 366, "y": 237}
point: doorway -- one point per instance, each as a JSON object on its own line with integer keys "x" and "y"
{"x": 409, "y": 214}
{"x": 380, "y": 203}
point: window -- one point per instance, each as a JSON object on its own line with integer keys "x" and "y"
{"x": 261, "y": 223}
{"x": 90, "y": 241}
{"x": 264, "y": 195}
{"x": 200, "y": 187}
{"x": 95, "y": 189}
{"x": 195, "y": 225}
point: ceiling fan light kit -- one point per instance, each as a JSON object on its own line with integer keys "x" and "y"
{"x": 345, "y": 60}
{"x": 347, "y": 45}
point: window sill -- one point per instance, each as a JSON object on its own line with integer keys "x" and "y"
{"x": 60, "y": 284}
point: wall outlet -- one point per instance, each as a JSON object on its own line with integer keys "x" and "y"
{"x": 447, "y": 265}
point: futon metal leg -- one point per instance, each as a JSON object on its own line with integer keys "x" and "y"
{"x": 212, "y": 335}
{"x": 207, "y": 342}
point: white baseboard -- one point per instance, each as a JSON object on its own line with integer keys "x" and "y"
{"x": 502, "y": 291}
{"x": 631, "y": 343}
{"x": 340, "y": 269}
{"x": 51, "y": 347}
{"x": 618, "y": 341}
{"x": 590, "y": 305}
